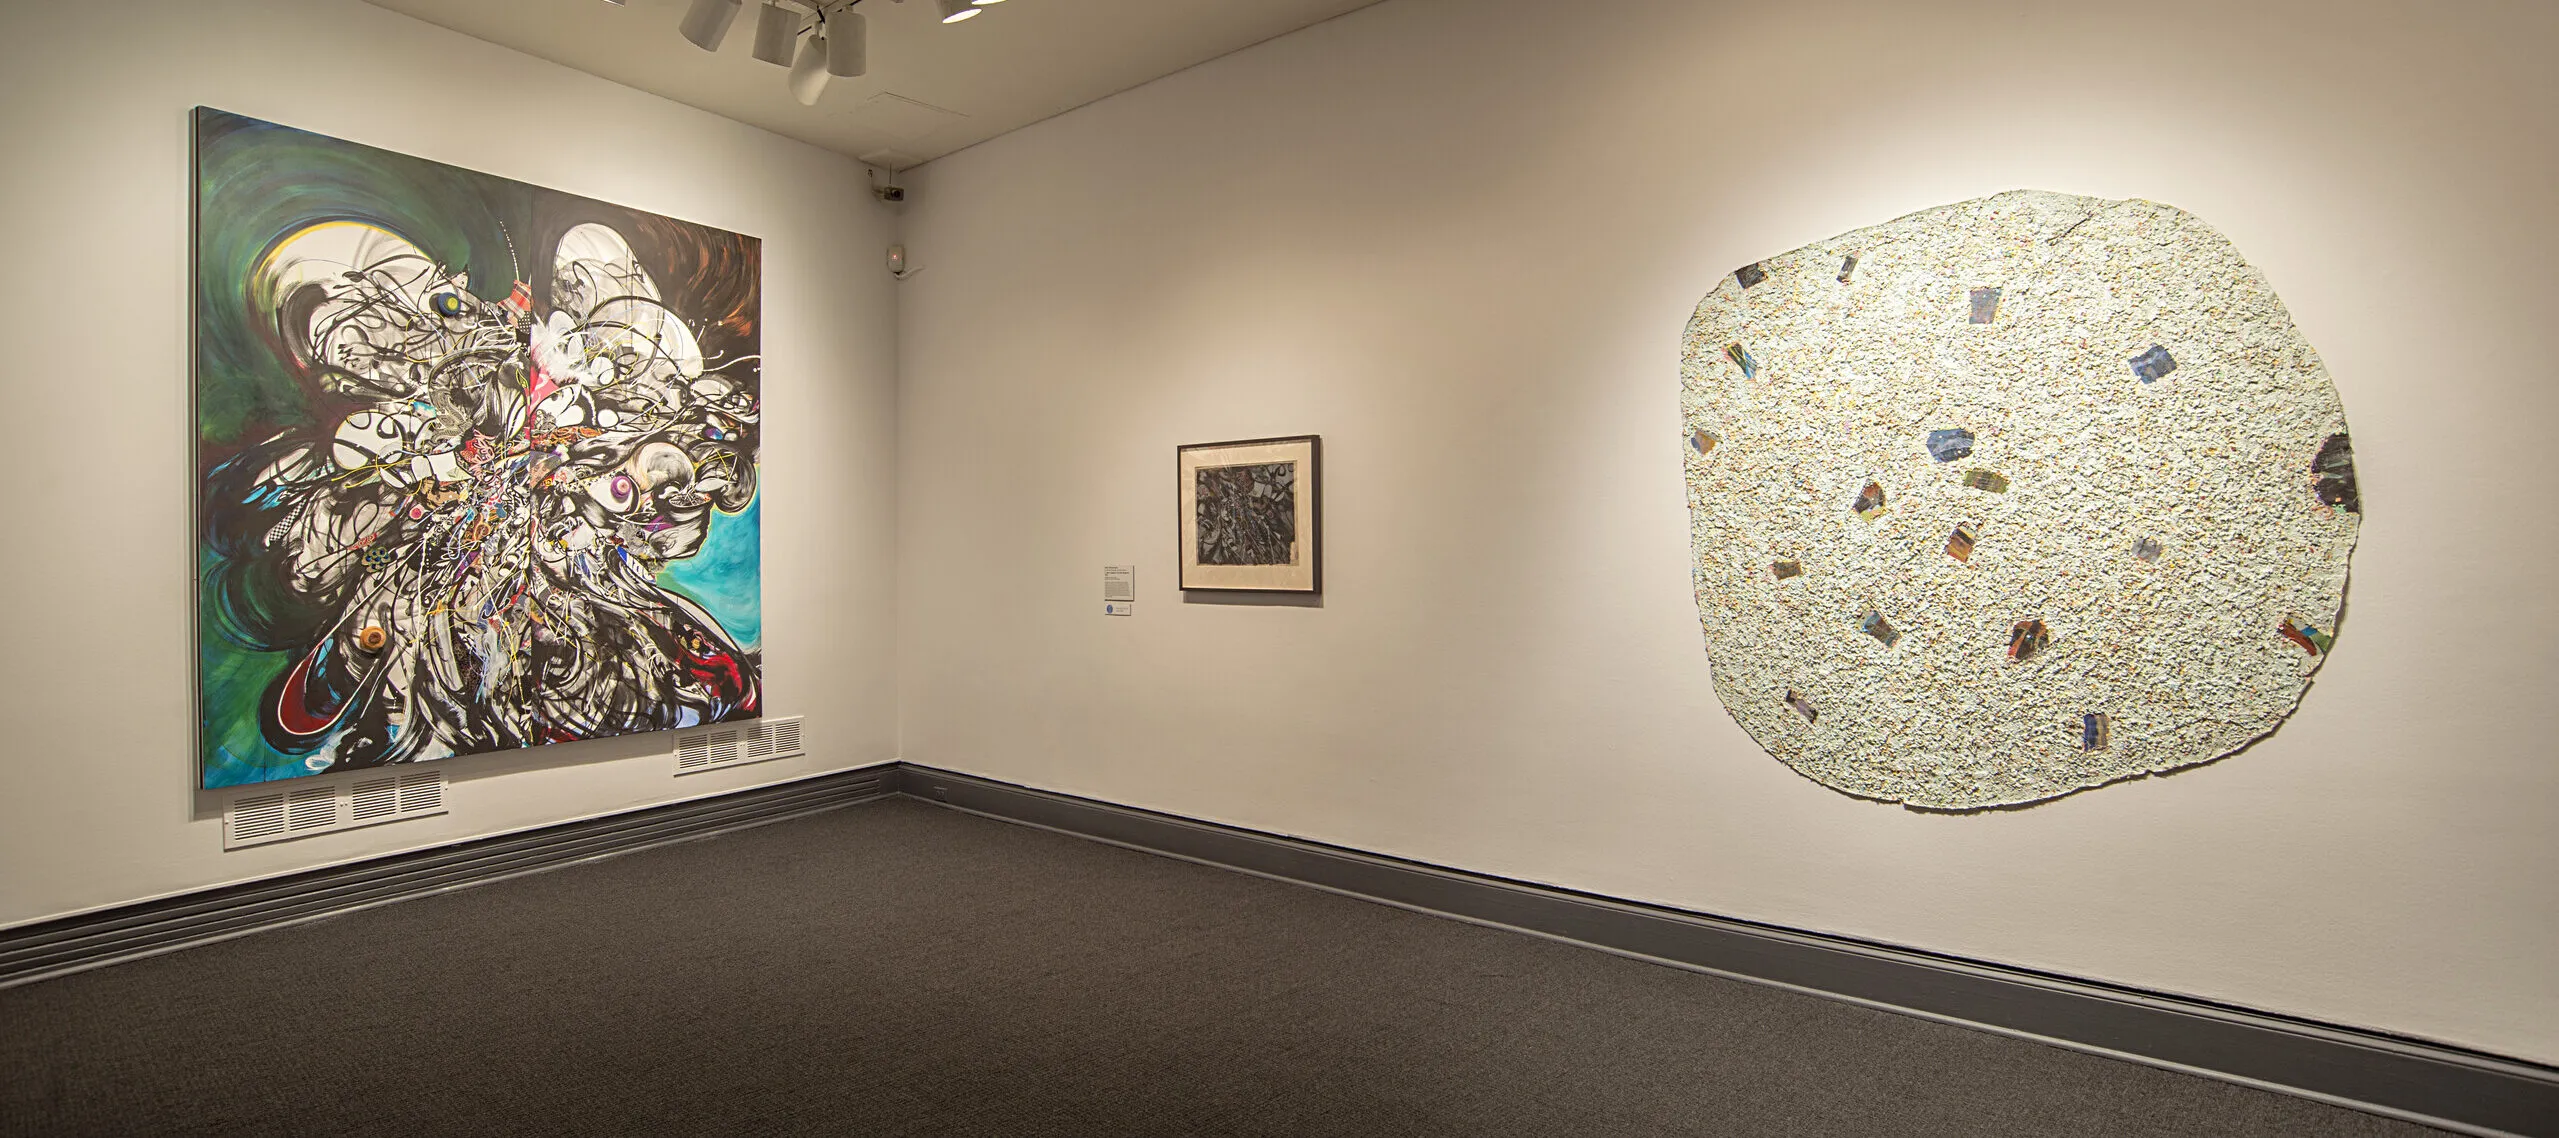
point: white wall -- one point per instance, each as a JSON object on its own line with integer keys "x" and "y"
{"x": 96, "y": 756}
{"x": 1459, "y": 238}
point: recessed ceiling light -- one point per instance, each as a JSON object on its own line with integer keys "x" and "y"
{"x": 954, "y": 11}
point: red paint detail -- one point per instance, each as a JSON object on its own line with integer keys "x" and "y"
{"x": 292, "y": 710}
{"x": 2294, "y": 635}
{"x": 719, "y": 673}
{"x": 537, "y": 390}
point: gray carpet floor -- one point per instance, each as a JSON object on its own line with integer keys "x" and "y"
{"x": 897, "y": 968}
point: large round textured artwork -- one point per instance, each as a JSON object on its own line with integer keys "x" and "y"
{"x": 2011, "y": 498}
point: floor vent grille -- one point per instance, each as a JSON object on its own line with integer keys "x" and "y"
{"x": 300, "y": 812}
{"x": 753, "y": 743}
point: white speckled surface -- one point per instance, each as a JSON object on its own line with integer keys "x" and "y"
{"x": 2184, "y": 653}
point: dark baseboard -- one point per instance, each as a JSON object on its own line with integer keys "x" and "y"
{"x": 2414, "y": 1079}
{"x": 2424, "y": 1082}
{"x": 91, "y": 940}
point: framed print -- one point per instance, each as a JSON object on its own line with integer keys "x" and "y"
{"x": 1251, "y": 518}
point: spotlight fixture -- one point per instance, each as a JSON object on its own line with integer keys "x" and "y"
{"x": 848, "y": 48}
{"x": 838, "y": 38}
{"x": 707, "y": 22}
{"x": 808, "y": 72}
{"x": 775, "y": 26}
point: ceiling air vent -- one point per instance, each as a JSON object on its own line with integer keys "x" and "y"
{"x": 754, "y": 743}
{"x": 300, "y": 812}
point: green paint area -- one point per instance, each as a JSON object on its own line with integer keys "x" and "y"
{"x": 232, "y": 682}
{"x": 258, "y": 183}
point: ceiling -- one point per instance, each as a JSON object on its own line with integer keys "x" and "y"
{"x": 933, "y": 88}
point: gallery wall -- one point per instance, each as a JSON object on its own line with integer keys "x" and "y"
{"x": 1460, "y": 238}
{"x": 98, "y": 763}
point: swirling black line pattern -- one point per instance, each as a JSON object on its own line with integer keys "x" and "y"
{"x": 445, "y": 526}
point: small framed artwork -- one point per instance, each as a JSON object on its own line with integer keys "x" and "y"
{"x": 1251, "y": 519}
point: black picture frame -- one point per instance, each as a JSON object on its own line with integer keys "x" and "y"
{"x": 1303, "y": 575}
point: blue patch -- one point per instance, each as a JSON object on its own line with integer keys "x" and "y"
{"x": 1985, "y": 305}
{"x": 1950, "y": 444}
{"x": 2153, "y": 364}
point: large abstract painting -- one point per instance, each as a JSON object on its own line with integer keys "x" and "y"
{"x": 2012, "y": 498}
{"x": 476, "y": 459}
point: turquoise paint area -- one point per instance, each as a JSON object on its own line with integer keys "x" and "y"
{"x": 726, "y": 576}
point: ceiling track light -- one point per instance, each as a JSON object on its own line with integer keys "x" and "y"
{"x": 775, "y": 28}
{"x": 707, "y": 22}
{"x": 808, "y": 72}
{"x": 836, "y": 44}
{"x": 848, "y": 46}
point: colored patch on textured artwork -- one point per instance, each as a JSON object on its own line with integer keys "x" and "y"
{"x": 1702, "y": 440}
{"x": 1985, "y": 305}
{"x": 2153, "y": 364}
{"x": 1873, "y": 624}
{"x": 1949, "y": 444}
{"x": 1986, "y": 480}
{"x": 2307, "y": 636}
{"x": 1959, "y": 544}
{"x": 1847, "y": 265}
{"x": 2096, "y": 730}
{"x": 1741, "y": 358}
{"x": 2028, "y": 638}
{"x": 1749, "y": 275}
{"x": 2147, "y": 549}
{"x": 1803, "y": 706}
{"x": 1870, "y": 502}
{"x": 2332, "y": 474}
{"x": 1784, "y": 569}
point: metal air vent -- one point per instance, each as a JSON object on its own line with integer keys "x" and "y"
{"x": 300, "y": 812}
{"x": 754, "y": 743}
